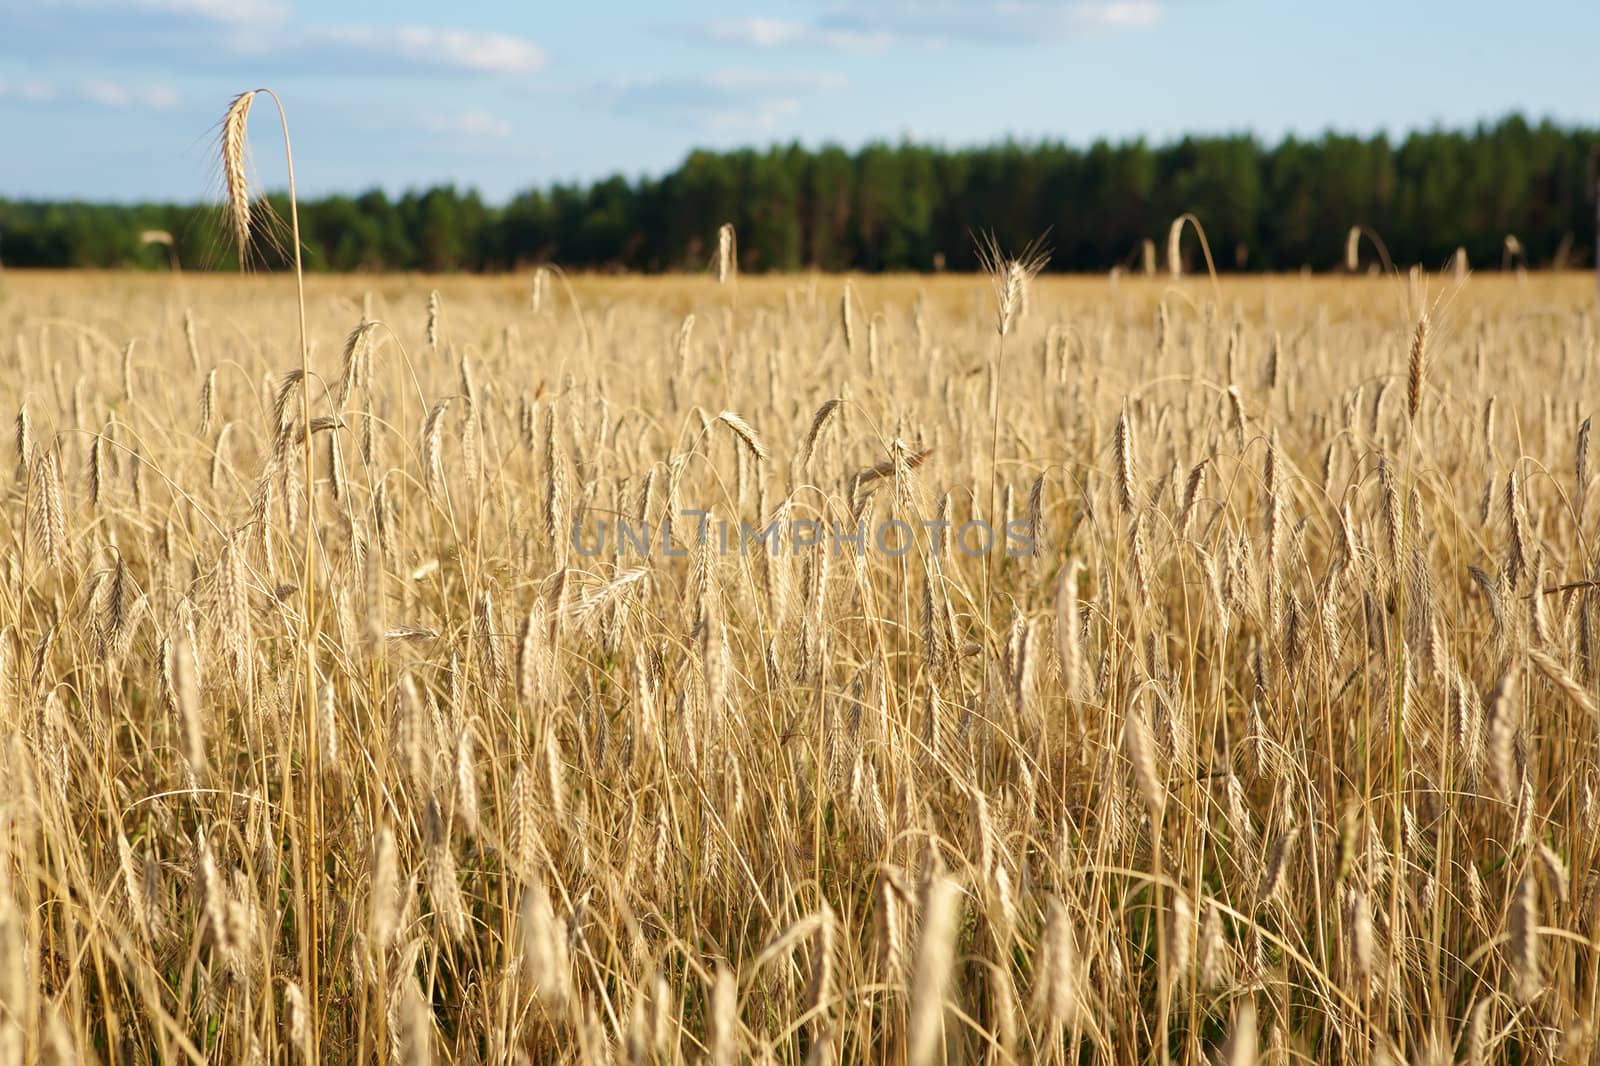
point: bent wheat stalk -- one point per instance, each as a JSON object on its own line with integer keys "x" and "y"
{"x": 1175, "y": 250}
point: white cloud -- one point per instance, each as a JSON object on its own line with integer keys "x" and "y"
{"x": 217, "y": 34}
{"x": 474, "y": 124}
{"x": 106, "y": 93}
{"x": 116, "y": 94}
{"x": 255, "y": 13}
{"x": 842, "y": 26}
{"x": 759, "y": 32}
{"x": 1117, "y": 14}
{"x": 97, "y": 92}
{"x": 462, "y": 50}
{"x": 161, "y": 97}
{"x": 252, "y": 12}
{"x": 30, "y": 92}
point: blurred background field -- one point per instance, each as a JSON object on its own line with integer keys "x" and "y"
{"x": 332, "y": 747}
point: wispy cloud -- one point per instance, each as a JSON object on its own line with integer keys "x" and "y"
{"x": 428, "y": 47}
{"x": 1117, "y": 14}
{"x": 1010, "y": 21}
{"x": 249, "y": 12}
{"x": 116, "y": 94}
{"x": 841, "y": 27}
{"x": 473, "y": 125}
{"x": 759, "y": 32}
{"x": 218, "y": 34}
{"x": 95, "y": 92}
{"x": 730, "y": 100}
{"x": 252, "y": 12}
{"x": 31, "y": 92}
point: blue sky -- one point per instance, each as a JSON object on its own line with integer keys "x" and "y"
{"x": 119, "y": 99}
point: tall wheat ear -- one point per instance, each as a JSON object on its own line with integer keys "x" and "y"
{"x": 309, "y": 856}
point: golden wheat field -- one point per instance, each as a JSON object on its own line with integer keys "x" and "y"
{"x": 448, "y": 731}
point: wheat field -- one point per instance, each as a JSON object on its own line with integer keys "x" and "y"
{"x": 349, "y": 745}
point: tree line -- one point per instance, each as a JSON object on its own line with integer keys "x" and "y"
{"x": 916, "y": 207}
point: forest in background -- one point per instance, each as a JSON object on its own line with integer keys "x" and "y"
{"x": 909, "y": 207}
